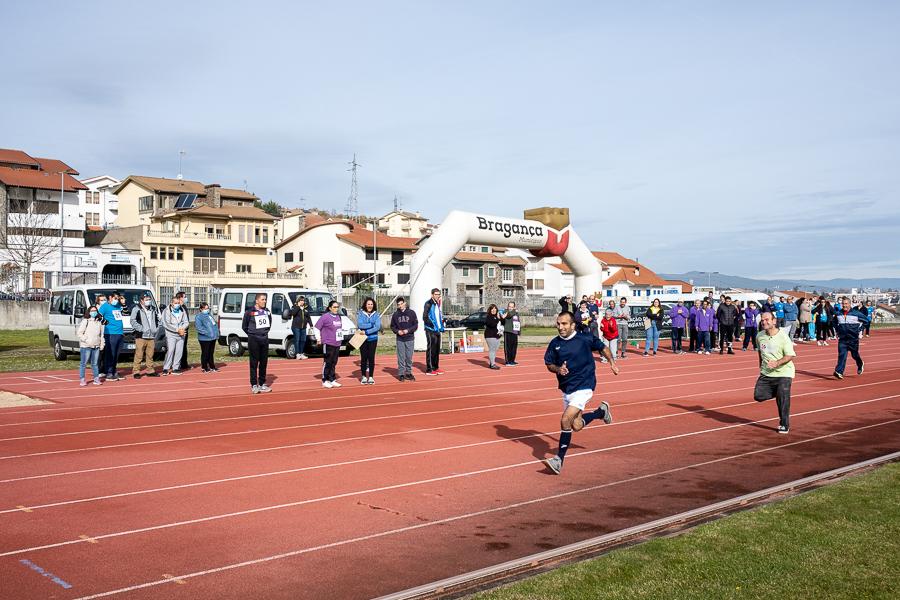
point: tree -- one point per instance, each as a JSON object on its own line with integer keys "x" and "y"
{"x": 9, "y": 273}
{"x": 31, "y": 238}
{"x": 271, "y": 207}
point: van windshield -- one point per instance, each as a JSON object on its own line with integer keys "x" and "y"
{"x": 316, "y": 301}
{"x": 131, "y": 297}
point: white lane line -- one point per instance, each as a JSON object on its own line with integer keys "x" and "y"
{"x": 409, "y": 484}
{"x": 473, "y": 514}
{"x": 38, "y": 380}
{"x": 357, "y": 396}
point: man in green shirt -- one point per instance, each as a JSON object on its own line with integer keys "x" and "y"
{"x": 776, "y": 368}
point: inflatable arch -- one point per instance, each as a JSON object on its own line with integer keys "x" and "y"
{"x": 546, "y": 233}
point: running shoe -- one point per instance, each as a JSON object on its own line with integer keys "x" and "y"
{"x": 783, "y": 429}
{"x": 371, "y": 380}
{"x": 410, "y": 377}
{"x": 861, "y": 368}
{"x": 83, "y": 383}
{"x": 438, "y": 371}
{"x": 264, "y": 389}
{"x": 254, "y": 389}
{"x": 98, "y": 382}
{"x": 176, "y": 372}
{"x": 838, "y": 375}
{"x": 430, "y": 373}
{"x": 327, "y": 384}
{"x": 335, "y": 384}
{"x": 554, "y": 463}
{"x": 494, "y": 367}
{"x": 607, "y": 416}
{"x": 364, "y": 380}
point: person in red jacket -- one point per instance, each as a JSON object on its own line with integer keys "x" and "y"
{"x": 609, "y": 329}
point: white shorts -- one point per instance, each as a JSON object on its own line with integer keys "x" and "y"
{"x": 578, "y": 399}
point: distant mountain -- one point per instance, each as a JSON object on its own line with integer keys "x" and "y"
{"x": 721, "y": 280}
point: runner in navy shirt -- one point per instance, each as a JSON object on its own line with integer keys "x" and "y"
{"x": 570, "y": 357}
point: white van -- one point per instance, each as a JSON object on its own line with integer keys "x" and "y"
{"x": 67, "y": 307}
{"x": 234, "y": 301}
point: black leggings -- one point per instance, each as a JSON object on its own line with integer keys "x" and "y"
{"x": 433, "y": 352}
{"x": 821, "y": 331}
{"x": 510, "y": 345}
{"x": 779, "y": 388}
{"x": 206, "y": 354}
{"x": 331, "y": 358}
{"x": 750, "y": 337}
{"x": 676, "y": 339}
{"x": 259, "y": 358}
{"x": 367, "y": 357}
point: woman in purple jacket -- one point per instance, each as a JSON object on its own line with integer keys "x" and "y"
{"x": 330, "y": 336}
{"x": 705, "y": 319}
{"x": 679, "y": 315}
{"x": 750, "y": 328}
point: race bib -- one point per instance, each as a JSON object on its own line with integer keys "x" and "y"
{"x": 517, "y": 326}
{"x": 339, "y": 334}
{"x": 262, "y": 321}
{"x": 311, "y": 331}
{"x": 117, "y": 315}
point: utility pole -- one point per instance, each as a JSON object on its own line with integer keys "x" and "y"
{"x": 62, "y": 219}
{"x": 352, "y": 208}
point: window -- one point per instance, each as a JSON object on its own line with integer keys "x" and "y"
{"x": 171, "y": 252}
{"x": 465, "y": 271}
{"x": 508, "y": 292}
{"x": 145, "y": 204}
{"x": 370, "y": 254}
{"x": 243, "y": 268}
{"x": 277, "y": 305}
{"x": 208, "y": 260}
{"x": 534, "y": 284}
{"x": 92, "y": 219}
{"x": 608, "y": 293}
{"x": 201, "y": 294}
{"x": 242, "y": 233}
{"x": 179, "y": 253}
{"x": 261, "y": 235}
{"x": 92, "y": 197}
{"x": 166, "y": 293}
{"x": 396, "y": 256}
{"x": 485, "y": 249}
{"x": 299, "y": 257}
{"x": 402, "y": 278}
{"x": 328, "y": 273}
{"x": 636, "y": 292}
{"x": 490, "y": 272}
{"x": 507, "y": 274}
{"x": 153, "y": 254}
{"x": 232, "y": 304}
{"x": 288, "y": 257}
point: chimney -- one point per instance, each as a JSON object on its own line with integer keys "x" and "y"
{"x": 637, "y": 271}
{"x": 213, "y": 195}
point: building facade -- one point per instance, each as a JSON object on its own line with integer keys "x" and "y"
{"x": 98, "y": 202}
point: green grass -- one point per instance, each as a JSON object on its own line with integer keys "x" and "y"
{"x": 841, "y": 541}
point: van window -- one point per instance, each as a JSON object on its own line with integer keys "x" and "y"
{"x": 232, "y": 304}
{"x": 276, "y": 305}
{"x": 55, "y": 302}
{"x": 316, "y": 301}
{"x": 80, "y": 304}
{"x": 250, "y": 302}
{"x": 67, "y": 299}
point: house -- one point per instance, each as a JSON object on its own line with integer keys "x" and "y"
{"x": 400, "y": 223}
{"x": 40, "y": 242}
{"x": 338, "y": 253}
{"x": 478, "y": 276}
{"x": 98, "y": 202}
{"x": 627, "y": 277}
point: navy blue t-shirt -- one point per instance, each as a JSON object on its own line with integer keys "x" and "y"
{"x": 577, "y": 353}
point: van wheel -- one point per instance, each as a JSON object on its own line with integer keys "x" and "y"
{"x": 58, "y": 352}
{"x": 289, "y": 350}
{"x": 235, "y": 348}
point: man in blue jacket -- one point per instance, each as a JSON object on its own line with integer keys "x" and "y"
{"x": 791, "y": 315}
{"x": 433, "y": 320}
{"x": 849, "y": 322}
{"x": 113, "y": 334}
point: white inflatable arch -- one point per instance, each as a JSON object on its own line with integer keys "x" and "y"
{"x": 461, "y": 228}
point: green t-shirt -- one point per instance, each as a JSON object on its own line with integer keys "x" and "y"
{"x": 776, "y": 347}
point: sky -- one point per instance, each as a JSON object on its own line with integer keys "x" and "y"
{"x": 759, "y": 139}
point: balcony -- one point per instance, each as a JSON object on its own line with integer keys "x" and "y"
{"x": 202, "y": 238}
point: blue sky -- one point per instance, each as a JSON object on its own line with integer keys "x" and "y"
{"x": 757, "y": 139}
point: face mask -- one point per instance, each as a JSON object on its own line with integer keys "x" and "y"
{"x": 102, "y": 302}
{"x": 114, "y": 302}
{"x": 176, "y": 308}
{"x": 205, "y": 311}
{"x": 93, "y": 314}
{"x": 147, "y": 303}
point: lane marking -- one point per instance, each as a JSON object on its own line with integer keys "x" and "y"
{"x": 473, "y": 514}
{"x": 420, "y": 482}
{"x": 88, "y": 539}
{"x": 23, "y": 508}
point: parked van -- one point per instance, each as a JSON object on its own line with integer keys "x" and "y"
{"x": 68, "y": 304}
{"x": 234, "y": 301}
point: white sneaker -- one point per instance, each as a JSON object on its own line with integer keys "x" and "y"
{"x": 364, "y": 380}
{"x": 83, "y": 383}
{"x": 824, "y": 343}
{"x": 298, "y": 357}
{"x": 254, "y": 389}
{"x": 264, "y": 388}
{"x": 371, "y": 380}
{"x": 707, "y": 352}
{"x": 303, "y": 356}
{"x": 327, "y": 384}
{"x": 335, "y": 384}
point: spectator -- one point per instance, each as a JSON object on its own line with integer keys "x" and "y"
{"x": 566, "y": 304}
{"x": 90, "y": 343}
{"x": 184, "y": 364}
{"x": 791, "y": 316}
{"x": 804, "y": 316}
{"x": 653, "y": 320}
{"x": 610, "y": 330}
{"x": 301, "y": 320}
{"x": 145, "y": 323}
{"x": 779, "y": 311}
{"x": 595, "y": 316}
{"x": 750, "y": 329}
{"x": 705, "y": 319}
{"x": 870, "y": 312}
{"x": 256, "y": 324}
{"x": 823, "y": 315}
{"x": 330, "y": 336}
{"x": 175, "y": 323}
{"x": 584, "y": 317}
{"x": 512, "y": 327}
{"x": 679, "y": 315}
{"x": 727, "y": 318}
{"x": 622, "y": 313}
{"x": 113, "y": 333}
{"x": 768, "y": 306}
{"x": 492, "y": 335}
{"x": 369, "y": 322}
{"x": 207, "y": 335}
{"x": 694, "y": 344}
{"x": 433, "y": 320}
{"x": 404, "y": 324}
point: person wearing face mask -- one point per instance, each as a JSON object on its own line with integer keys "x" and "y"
{"x": 330, "y": 336}
{"x": 91, "y": 343}
{"x": 175, "y": 322}
{"x": 256, "y": 324}
{"x": 145, "y": 322}
{"x": 113, "y": 334}
{"x": 184, "y": 365}
{"x": 207, "y": 335}
{"x": 99, "y": 301}
{"x": 300, "y": 320}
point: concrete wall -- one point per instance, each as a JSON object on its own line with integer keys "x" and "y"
{"x": 23, "y": 315}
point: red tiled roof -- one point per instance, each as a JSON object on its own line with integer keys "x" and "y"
{"x": 165, "y": 185}
{"x": 226, "y": 212}
{"x": 634, "y": 275}
{"x": 38, "y": 180}
{"x": 514, "y": 261}
{"x": 614, "y": 259}
{"x": 294, "y": 236}
{"x": 476, "y": 257}
{"x": 363, "y": 238}
{"x": 52, "y": 165}
{"x": 797, "y": 294}
{"x": 17, "y": 157}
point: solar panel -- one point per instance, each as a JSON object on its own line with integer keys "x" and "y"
{"x": 179, "y": 202}
{"x": 185, "y": 200}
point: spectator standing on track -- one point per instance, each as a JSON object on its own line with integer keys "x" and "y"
{"x": 256, "y": 324}
{"x": 585, "y": 318}
{"x": 570, "y": 357}
{"x": 145, "y": 323}
{"x": 330, "y": 336}
{"x": 492, "y": 335}
{"x": 653, "y": 320}
{"x": 705, "y": 318}
{"x": 609, "y": 327}
{"x": 849, "y": 322}
{"x": 404, "y": 324}
{"x": 694, "y": 343}
{"x": 791, "y": 318}
{"x": 779, "y": 311}
{"x": 680, "y": 316}
{"x": 776, "y": 369}
{"x": 207, "y": 336}
{"x": 622, "y": 313}
{"x": 832, "y": 332}
{"x": 512, "y": 327}
{"x": 175, "y": 323}
{"x": 184, "y": 365}
{"x": 99, "y": 301}
{"x": 369, "y": 321}
{"x": 823, "y": 315}
{"x": 90, "y": 343}
{"x": 870, "y": 312}
{"x": 112, "y": 336}
{"x": 566, "y": 304}
{"x": 727, "y": 317}
{"x": 804, "y": 317}
{"x": 433, "y": 320}
{"x": 595, "y": 316}
{"x": 768, "y": 306}
{"x": 750, "y": 329}
{"x": 300, "y": 320}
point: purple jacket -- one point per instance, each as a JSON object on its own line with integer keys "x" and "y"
{"x": 679, "y": 315}
{"x": 705, "y": 317}
{"x": 750, "y": 317}
{"x": 329, "y": 325}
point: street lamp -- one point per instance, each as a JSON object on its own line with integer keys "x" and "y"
{"x": 62, "y": 219}
{"x": 709, "y": 275}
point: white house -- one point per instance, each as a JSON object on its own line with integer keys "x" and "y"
{"x": 98, "y": 203}
{"x": 400, "y": 223}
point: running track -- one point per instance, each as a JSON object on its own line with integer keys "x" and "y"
{"x": 191, "y": 487}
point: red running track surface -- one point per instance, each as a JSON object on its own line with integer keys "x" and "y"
{"x": 191, "y": 487}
